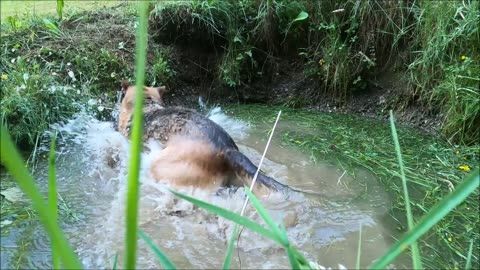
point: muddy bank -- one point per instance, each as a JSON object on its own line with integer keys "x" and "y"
{"x": 289, "y": 86}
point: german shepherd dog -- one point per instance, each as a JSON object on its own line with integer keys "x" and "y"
{"x": 197, "y": 152}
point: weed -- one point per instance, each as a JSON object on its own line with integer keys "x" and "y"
{"x": 31, "y": 100}
{"x": 445, "y": 70}
{"x": 161, "y": 72}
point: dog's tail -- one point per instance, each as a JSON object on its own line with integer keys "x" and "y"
{"x": 245, "y": 170}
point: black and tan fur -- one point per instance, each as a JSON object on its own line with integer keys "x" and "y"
{"x": 197, "y": 152}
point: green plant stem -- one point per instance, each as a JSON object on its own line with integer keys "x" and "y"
{"x": 439, "y": 211}
{"x": 359, "y": 250}
{"x": 417, "y": 263}
{"x": 52, "y": 197}
{"x": 134, "y": 166}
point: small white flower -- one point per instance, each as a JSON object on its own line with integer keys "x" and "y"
{"x": 13, "y": 60}
{"x": 71, "y": 75}
{"x": 91, "y": 102}
{"x": 68, "y": 64}
{"x": 100, "y": 108}
{"x": 26, "y": 76}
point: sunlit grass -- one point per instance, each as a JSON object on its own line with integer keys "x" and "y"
{"x": 47, "y": 7}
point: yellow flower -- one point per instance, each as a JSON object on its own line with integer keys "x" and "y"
{"x": 4, "y": 76}
{"x": 463, "y": 57}
{"x": 450, "y": 239}
{"x": 464, "y": 167}
{"x": 457, "y": 152}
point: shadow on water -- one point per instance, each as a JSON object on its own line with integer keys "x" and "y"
{"x": 324, "y": 224}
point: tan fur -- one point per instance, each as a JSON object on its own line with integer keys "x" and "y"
{"x": 190, "y": 157}
{"x": 151, "y": 95}
{"x": 187, "y": 162}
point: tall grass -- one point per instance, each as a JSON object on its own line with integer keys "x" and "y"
{"x": 12, "y": 160}
{"x": 417, "y": 264}
{"x": 136, "y": 142}
{"x": 445, "y": 71}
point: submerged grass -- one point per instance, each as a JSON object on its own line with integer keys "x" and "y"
{"x": 432, "y": 166}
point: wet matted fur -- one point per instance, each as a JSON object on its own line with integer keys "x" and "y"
{"x": 198, "y": 152}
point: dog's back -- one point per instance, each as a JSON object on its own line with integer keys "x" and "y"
{"x": 198, "y": 151}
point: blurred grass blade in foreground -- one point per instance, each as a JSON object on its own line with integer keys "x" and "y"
{"x": 12, "y": 160}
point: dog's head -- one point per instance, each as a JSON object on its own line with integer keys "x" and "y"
{"x": 153, "y": 99}
{"x": 150, "y": 94}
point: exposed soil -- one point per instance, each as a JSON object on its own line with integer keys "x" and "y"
{"x": 195, "y": 65}
{"x": 194, "y": 78}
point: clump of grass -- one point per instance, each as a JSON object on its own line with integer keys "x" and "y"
{"x": 161, "y": 72}
{"x": 445, "y": 69}
{"x": 31, "y": 100}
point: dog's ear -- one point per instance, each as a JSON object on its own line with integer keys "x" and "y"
{"x": 161, "y": 91}
{"x": 125, "y": 84}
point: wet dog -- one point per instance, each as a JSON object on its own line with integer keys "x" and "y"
{"x": 197, "y": 152}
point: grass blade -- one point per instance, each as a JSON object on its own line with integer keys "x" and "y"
{"x": 264, "y": 214}
{"x": 12, "y": 160}
{"x": 440, "y": 210}
{"x": 230, "y": 216}
{"x": 162, "y": 258}
{"x": 52, "y": 197}
{"x": 60, "y": 6}
{"x": 359, "y": 251}
{"x": 115, "y": 260}
{"x": 417, "y": 262}
{"x": 468, "y": 265}
{"x": 292, "y": 258}
{"x": 228, "y": 255}
{"x": 134, "y": 166}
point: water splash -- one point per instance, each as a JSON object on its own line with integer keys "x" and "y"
{"x": 93, "y": 168}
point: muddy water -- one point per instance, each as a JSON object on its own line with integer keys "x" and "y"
{"x": 322, "y": 223}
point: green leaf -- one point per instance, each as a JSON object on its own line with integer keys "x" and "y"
{"x": 60, "y": 6}
{"x": 468, "y": 265}
{"x": 417, "y": 262}
{"x": 162, "y": 258}
{"x": 136, "y": 141}
{"x": 230, "y": 216}
{"x": 301, "y": 16}
{"x": 52, "y": 27}
{"x": 115, "y": 260}
{"x": 439, "y": 211}
{"x": 228, "y": 255}
{"x": 269, "y": 220}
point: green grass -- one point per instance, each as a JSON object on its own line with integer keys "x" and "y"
{"x": 431, "y": 166}
{"x": 136, "y": 142}
{"x": 347, "y": 47}
{"x": 47, "y": 7}
{"x": 417, "y": 264}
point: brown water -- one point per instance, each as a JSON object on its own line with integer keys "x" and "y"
{"x": 323, "y": 224}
